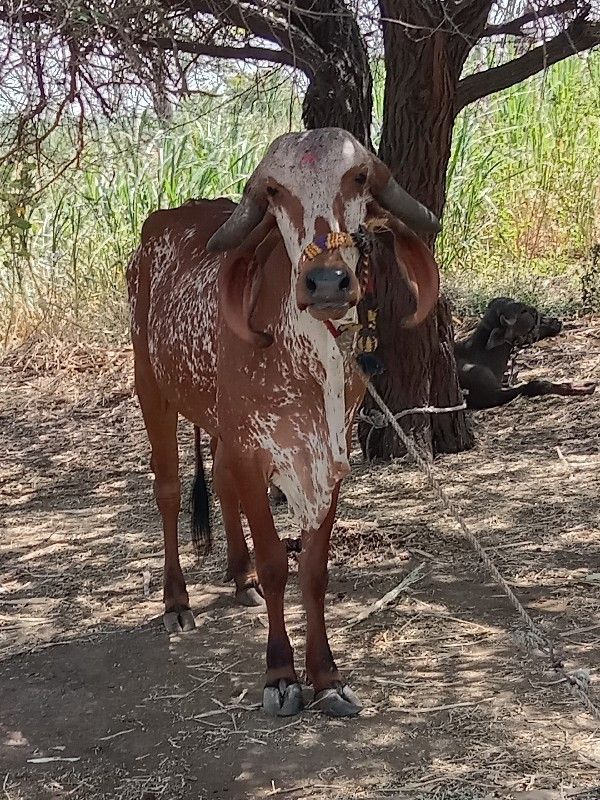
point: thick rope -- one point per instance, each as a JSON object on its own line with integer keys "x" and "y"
{"x": 577, "y": 682}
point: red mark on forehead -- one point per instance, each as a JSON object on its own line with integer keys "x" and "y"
{"x": 308, "y": 158}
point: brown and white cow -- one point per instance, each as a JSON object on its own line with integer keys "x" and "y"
{"x": 232, "y": 329}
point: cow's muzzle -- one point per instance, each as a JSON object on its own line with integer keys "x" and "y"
{"x": 327, "y": 288}
{"x": 328, "y": 292}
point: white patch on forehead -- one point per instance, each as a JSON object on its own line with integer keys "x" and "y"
{"x": 348, "y": 149}
{"x": 311, "y": 167}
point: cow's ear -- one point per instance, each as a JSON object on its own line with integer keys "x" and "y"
{"x": 417, "y": 266}
{"x": 237, "y": 276}
{"x": 240, "y": 274}
{"x": 496, "y": 338}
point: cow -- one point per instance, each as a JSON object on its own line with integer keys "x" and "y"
{"x": 482, "y": 357}
{"x": 235, "y": 312}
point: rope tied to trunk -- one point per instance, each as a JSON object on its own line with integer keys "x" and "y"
{"x": 377, "y": 419}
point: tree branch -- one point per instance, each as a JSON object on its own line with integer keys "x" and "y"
{"x": 302, "y": 50}
{"x": 580, "y": 35}
{"x": 218, "y": 51}
{"x": 515, "y": 26}
{"x": 296, "y": 48}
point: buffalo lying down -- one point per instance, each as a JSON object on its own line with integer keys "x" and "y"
{"x": 482, "y": 357}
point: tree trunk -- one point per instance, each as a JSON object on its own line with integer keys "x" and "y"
{"x": 411, "y": 348}
{"x": 340, "y": 93}
{"x": 425, "y": 51}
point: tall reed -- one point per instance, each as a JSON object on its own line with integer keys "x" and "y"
{"x": 521, "y": 217}
{"x": 523, "y": 189}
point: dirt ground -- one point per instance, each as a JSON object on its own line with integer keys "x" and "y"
{"x": 454, "y": 706}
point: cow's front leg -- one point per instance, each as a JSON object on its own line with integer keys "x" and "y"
{"x": 282, "y": 694}
{"x": 332, "y": 695}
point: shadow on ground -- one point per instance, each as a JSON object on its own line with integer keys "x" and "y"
{"x": 454, "y": 708}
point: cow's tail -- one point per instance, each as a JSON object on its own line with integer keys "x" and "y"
{"x": 201, "y": 533}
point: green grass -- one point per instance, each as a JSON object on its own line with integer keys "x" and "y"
{"x": 524, "y": 191}
{"x": 68, "y": 263}
{"x": 523, "y": 194}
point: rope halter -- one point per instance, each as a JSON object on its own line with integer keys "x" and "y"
{"x": 366, "y": 341}
{"x": 340, "y": 240}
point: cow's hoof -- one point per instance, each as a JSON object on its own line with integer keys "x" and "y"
{"x": 337, "y": 701}
{"x": 250, "y": 596}
{"x": 181, "y": 621}
{"x": 283, "y": 700}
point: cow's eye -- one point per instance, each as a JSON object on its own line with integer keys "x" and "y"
{"x": 271, "y": 191}
{"x": 361, "y": 178}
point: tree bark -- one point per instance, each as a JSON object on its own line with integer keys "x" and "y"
{"x": 426, "y": 45}
{"x": 340, "y": 93}
{"x": 405, "y": 350}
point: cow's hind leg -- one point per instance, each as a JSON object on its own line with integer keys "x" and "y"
{"x": 332, "y": 695}
{"x": 248, "y": 591}
{"x": 161, "y": 424}
{"x": 282, "y": 694}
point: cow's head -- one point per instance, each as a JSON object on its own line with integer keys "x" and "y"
{"x": 517, "y": 324}
{"x": 320, "y": 182}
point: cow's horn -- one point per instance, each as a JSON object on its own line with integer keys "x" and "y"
{"x": 396, "y": 200}
{"x": 244, "y": 219}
